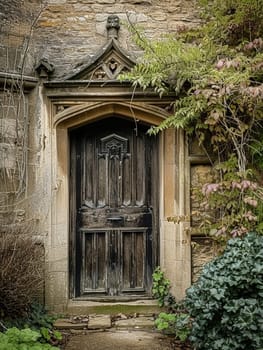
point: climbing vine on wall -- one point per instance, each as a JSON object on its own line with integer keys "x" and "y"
{"x": 215, "y": 71}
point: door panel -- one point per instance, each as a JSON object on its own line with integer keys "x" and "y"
{"x": 115, "y": 230}
{"x": 133, "y": 269}
{"x": 94, "y": 262}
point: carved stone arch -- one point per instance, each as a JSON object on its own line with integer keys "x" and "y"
{"x": 89, "y": 112}
{"x": 173, "y": 170}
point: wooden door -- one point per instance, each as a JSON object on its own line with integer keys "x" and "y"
{"x": 114, "y": 186}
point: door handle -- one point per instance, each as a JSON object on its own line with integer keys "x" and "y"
{"x": 115, "y": 218}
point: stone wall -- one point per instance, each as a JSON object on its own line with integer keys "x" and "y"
{"x": 12, "y": 153}
{"x": 18, "y": 19}
{"x": 67, "y": 31}
{"x": 203, "y": 249}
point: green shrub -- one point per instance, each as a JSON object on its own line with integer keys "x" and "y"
{"x": 226, "y": 303}
{"x": 161, "y": 286}
{"x": 25, "y": 339}
{"x": 176, "y": 323}
{"x": 37, "y": 319}
{"x": 37, "y": 316}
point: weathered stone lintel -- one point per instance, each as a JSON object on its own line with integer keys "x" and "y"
{"x": 17, "y": 81}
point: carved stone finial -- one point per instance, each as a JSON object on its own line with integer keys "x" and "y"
{"x": 44, "y": 68}
{"x": 113, "y": 26}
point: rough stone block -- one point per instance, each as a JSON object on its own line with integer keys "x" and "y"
{"x": 68, "y": 324}
{"x": 8, "y": 128}
{"x": 99, "y": 322}
{"x": 159, "y": 16}
{"x": 7, "y": 156}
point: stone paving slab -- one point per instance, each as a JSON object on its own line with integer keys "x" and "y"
{"x": 68, "y": 324}
{"x": 99, "y": 322}
{"x": 141, "y": 322}
{"x": 120, "y": 340}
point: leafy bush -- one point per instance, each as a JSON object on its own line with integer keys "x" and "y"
{"x": 161, "y": 286}
{"x": 178, "y": 324}
{"x": 37, "y": 319}
{"x": 25, "y": 339}
{"x": 226, "y": 303}
{"x": 21, "y": 273}
{"x": 175, "y": 321}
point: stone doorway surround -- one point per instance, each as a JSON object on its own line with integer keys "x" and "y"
{"x": 88, "y": 95}
{"x": 174, "y": 244}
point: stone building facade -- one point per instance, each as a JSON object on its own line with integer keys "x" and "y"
{"x": 60, "y": 101}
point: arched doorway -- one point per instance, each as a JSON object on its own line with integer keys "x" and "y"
{"x": 85, "y": 258}
{"x": 114, "y": 208}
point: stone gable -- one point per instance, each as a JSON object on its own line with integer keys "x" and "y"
{"x": 66, "y": 31}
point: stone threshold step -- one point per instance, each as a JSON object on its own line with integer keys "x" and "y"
{"x": 80, "y": 307}
{"x": 102, "y": 322}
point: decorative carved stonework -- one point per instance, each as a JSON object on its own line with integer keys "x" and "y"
{"x": 114, "y": 145}
{"x": 109, "y": 69}
{"x": 113, "y": 65}
{"x": 109, "y": 62}
{"x": 60, "y": 108}
{"x": 113, "y": 26}
{"x": 99, "y": 74}
{"x": 44, "y": 68}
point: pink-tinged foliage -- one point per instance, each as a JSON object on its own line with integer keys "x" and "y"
{"x": 230, "y": 207}
{"x": 225, "y": 63}
{"x": 251, "y": 201}
{"x": 239, "y": 232}
{"x": 210, "y": 188}
{"x": 249, "y": 215}
{"x": 244, "y": 185}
